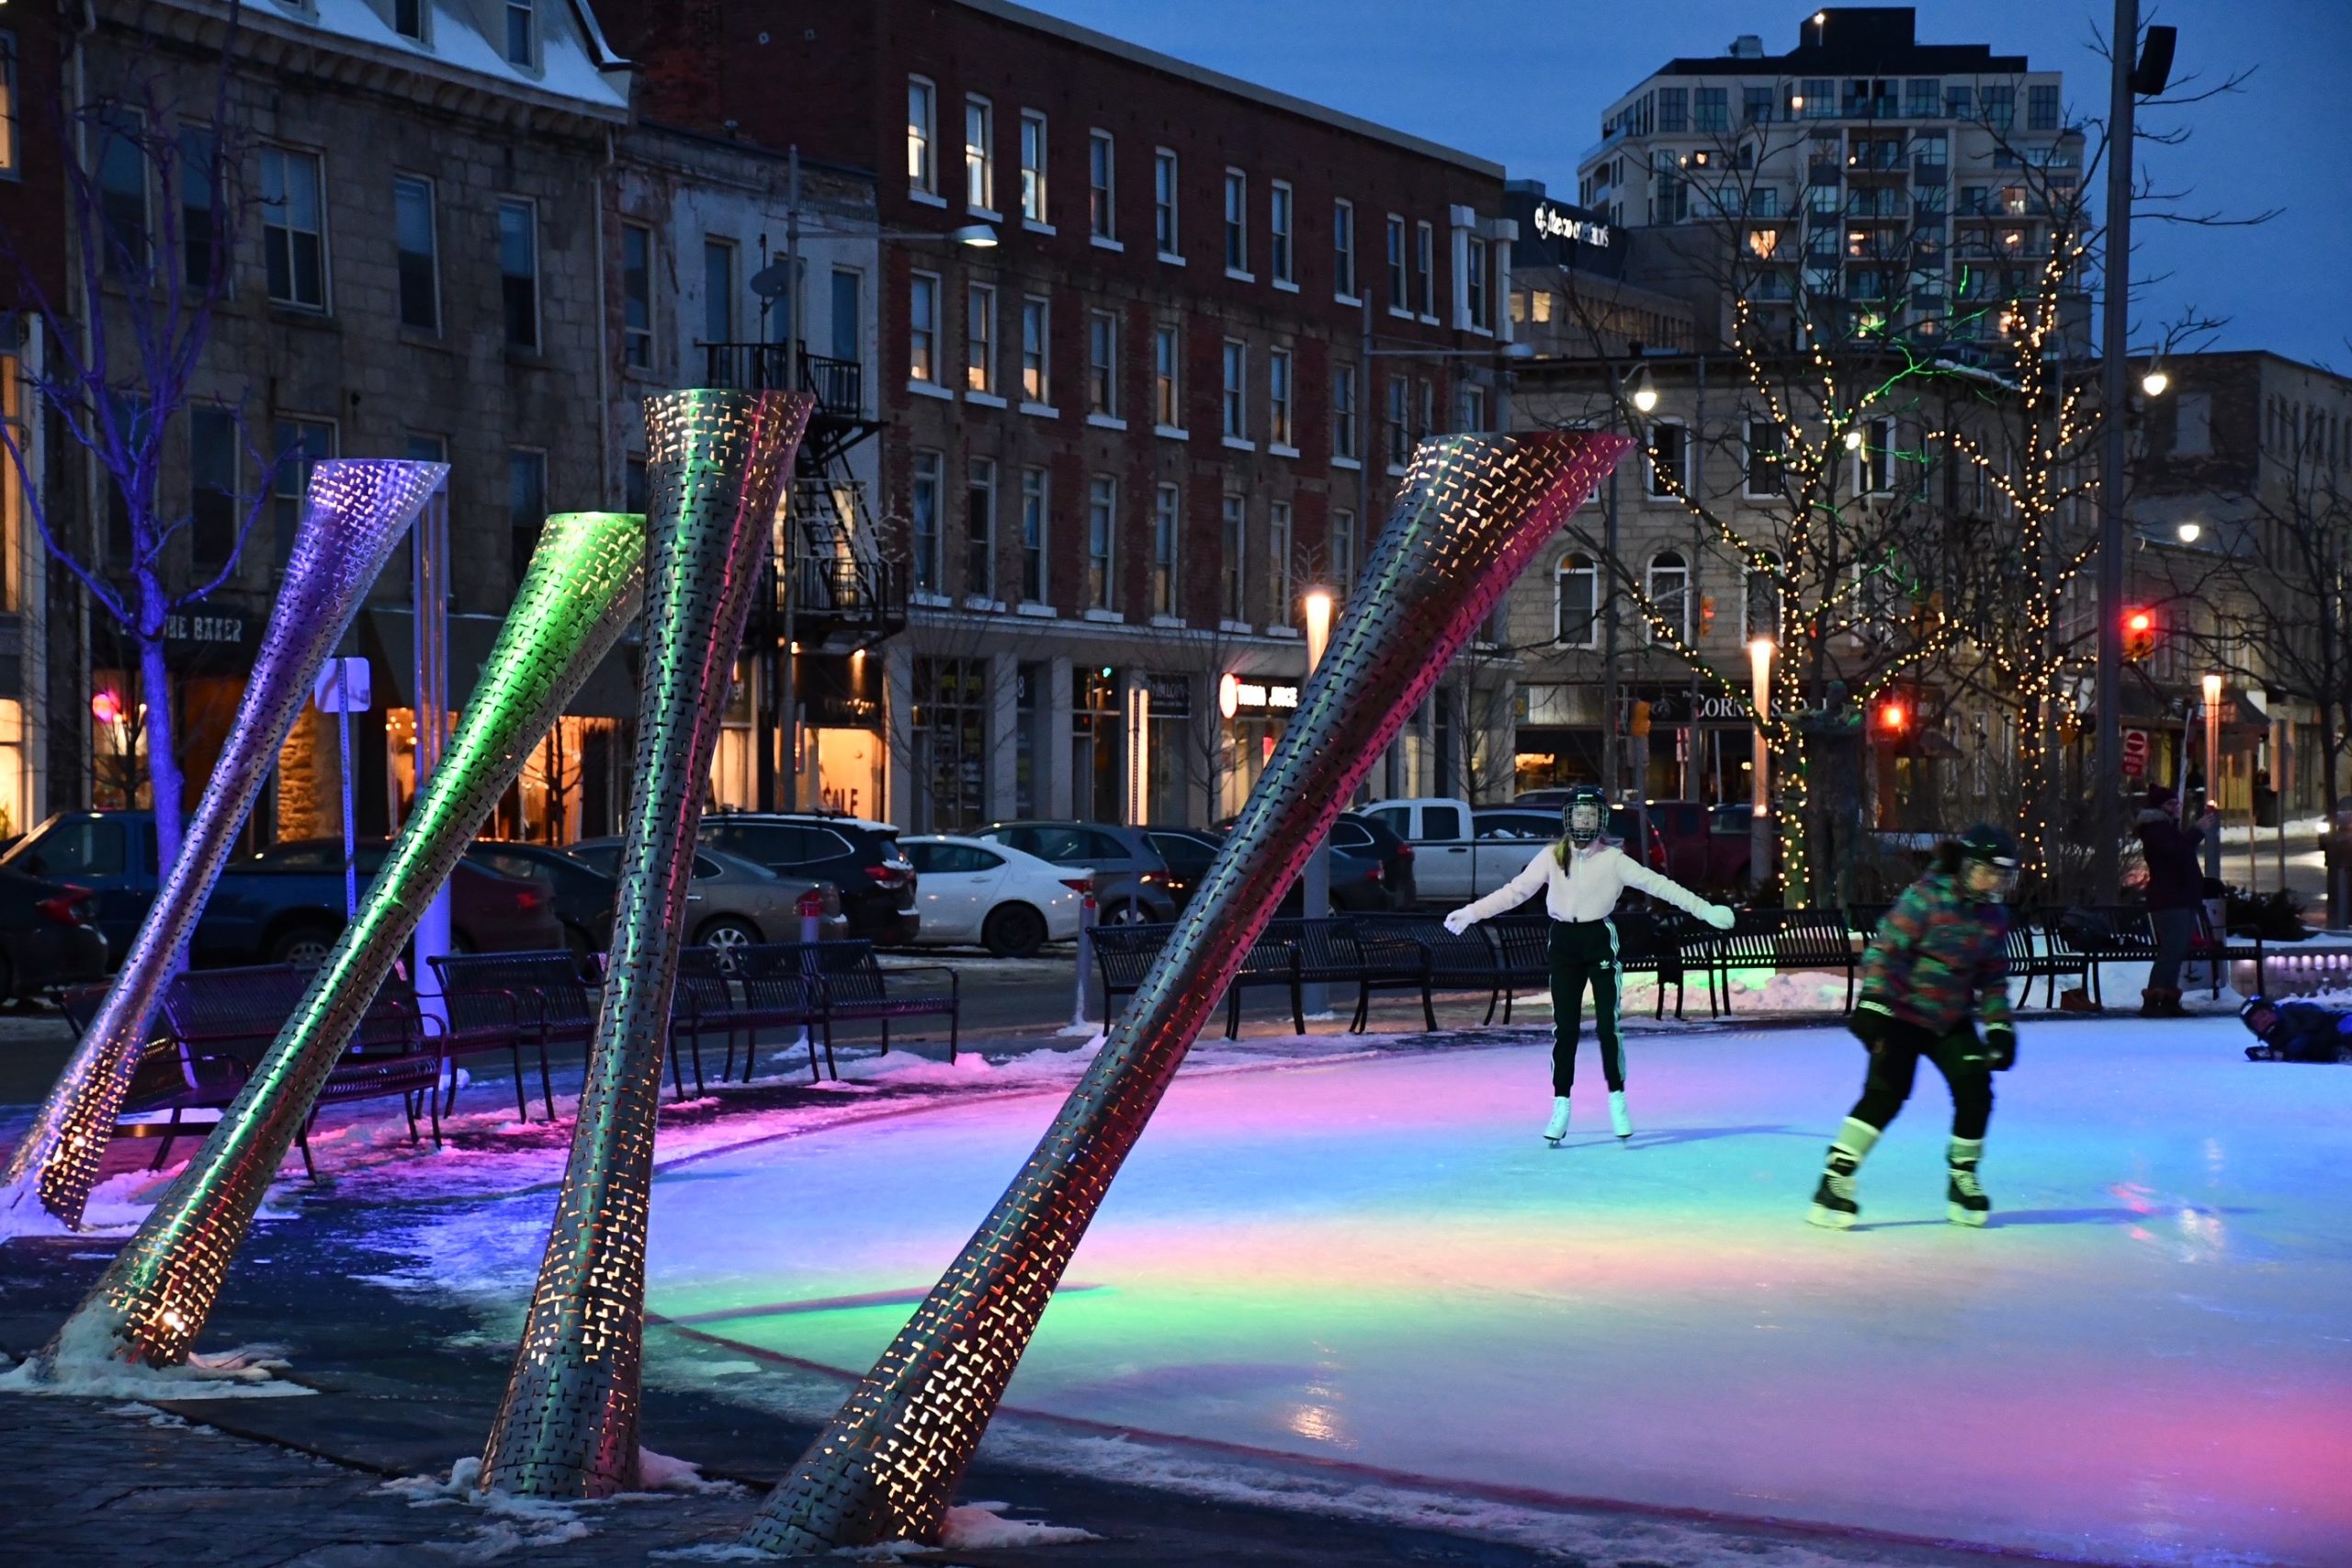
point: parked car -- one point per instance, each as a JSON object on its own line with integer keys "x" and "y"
{"x": 859, "y": 857}
{"x": 283, "y": 905}
{"x": 1359, "y": 880}
{"x": 1462, "y": 853}
{"x": 731, "y": 901}
{"x": 47, "y": 936}
{"x": 583, "y": 894}
{"x": 1131, "y": 878}
{"x": 1730, "y": 846}
{"x": 1007, "y": 900}
{"x": 1370, "y": 839}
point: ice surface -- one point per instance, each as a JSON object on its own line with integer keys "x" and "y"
{"x": 1373, "y": 1269}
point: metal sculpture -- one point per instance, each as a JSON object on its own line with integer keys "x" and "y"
{"x": 579, "y": 595}
{"x": 354, "y": 513}
{"x": 568, "y": 1427}
{"x": 1472, "y": 511}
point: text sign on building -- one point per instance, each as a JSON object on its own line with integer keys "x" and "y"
{"x": 1553, "y": 222}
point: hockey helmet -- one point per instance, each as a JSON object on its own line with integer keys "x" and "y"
{"x": 1993, "y": 847}
{"x": 1585, "y": 814}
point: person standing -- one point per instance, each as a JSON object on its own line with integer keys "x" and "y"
{"x": 1582, "y": 875}
{"x": 2175, "y": 893}
{"x": 1939, "y": 962}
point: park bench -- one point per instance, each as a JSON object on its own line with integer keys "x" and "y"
{"x": 1123, "y": 955}
{"x": 1778, "y": 940}
{"x": 2039, "y": 950}
{"x": 499, "y": 1000}
{"x": 169, "y": 1080}
{"x": 775, "y": 985}
{"x": 1652, "y": 941}
{"x": 1338, "y": 950}
{"x": 1465, "y": 963}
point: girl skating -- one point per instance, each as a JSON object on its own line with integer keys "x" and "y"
{"x": 1582, "y": 876}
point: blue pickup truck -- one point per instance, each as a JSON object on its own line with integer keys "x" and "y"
{"x": 282, "y": 906}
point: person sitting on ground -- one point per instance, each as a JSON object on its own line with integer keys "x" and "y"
{"x": 2297, "y": 1032}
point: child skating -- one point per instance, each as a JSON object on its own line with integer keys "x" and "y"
{"x": 1939, "y": 964}
{"x": 1582, "y": 876}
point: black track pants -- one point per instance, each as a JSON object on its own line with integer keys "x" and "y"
{"x": 1584, "y": 953}
{"x": 1895, "y": 1063}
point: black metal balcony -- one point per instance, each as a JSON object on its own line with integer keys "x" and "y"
{"x": 854, "y": 603}
{"x": 839, "y": 384}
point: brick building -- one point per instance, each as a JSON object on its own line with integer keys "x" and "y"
{"x": 1120, "y": 440}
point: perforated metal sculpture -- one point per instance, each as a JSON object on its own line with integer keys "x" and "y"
{"x": 717, "y": 461}
{"x": 1473, "y": 510}
{"x": 579, "y": 595}
{"x": 354, "y": 513}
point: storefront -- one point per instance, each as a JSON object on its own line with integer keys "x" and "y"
{"x": 1254, "y": 710}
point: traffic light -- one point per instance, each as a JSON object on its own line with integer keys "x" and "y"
{"x": 2138, "y": 634}
{"x": 1892, "y": 721}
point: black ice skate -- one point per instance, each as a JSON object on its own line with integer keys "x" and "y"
{"x": 1964, "y": 1200}
{"x": 1835, "y": 1203}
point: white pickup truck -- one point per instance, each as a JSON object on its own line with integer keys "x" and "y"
{"x": 1463, "y": 852}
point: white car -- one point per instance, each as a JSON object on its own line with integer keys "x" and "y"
{"x": 1007, "y": 900}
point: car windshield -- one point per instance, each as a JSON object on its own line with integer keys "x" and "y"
{"x": 606, "y": 858}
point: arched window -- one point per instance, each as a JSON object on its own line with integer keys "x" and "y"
{"x": 1761, "y": 606}
{"x": 1669, "y": 595}
{"x": 1577, "y": 602}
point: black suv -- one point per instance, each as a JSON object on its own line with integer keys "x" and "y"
{"x": 860, "y": 858}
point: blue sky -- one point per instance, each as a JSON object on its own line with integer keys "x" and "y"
{"x": 1523, "y": 82}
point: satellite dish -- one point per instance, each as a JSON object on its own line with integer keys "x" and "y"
{"x": 773, "y": 279}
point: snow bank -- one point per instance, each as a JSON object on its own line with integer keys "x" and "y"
{"x": 980, "y": 1527}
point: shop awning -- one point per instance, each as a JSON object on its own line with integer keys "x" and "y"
{"x": 385, "y": 637}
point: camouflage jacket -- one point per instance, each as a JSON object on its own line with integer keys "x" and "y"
{"x": 1940, "y": 957}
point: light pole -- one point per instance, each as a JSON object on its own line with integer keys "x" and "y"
{"x": 2214, "y": 770}
{"x": 1315, "y": 999}
{"x": 1759, "y": 835}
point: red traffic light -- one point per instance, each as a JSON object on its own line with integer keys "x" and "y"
{"x": 2138, "y": 634}
{"x": 1891, "y": 717}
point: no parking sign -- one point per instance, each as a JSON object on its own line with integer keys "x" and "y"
{"x": 2135, "y": 753}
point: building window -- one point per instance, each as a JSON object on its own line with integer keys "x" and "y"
{"x": 522, "y": 33}
{"x": 1673, "y": 110}
{"x": 1033, "y": 167}
{"x": 1711, "y": 109}
{"x": 200, "y": 174}
{"x": 1576, "y": 595}
{"x": 1236, "y": 222}
{"x": 1761, "y": 605}
{"x": 301, "y": 445}
{"x": 1033, "y": 535}
{"x": 419, "y": 265}
{"x": 1343, "y": 551}
{"x": 923, "y": 167}
{"x": 527, "y": 506}
{"x": 1473, "y": 407}
{"x": 1343, "y": 250}
{"x": 1400, "y": 431}
{"x": 1819, "y": 97}
{"x": 980, "y": 155}
{"x": 637, "y": 296}
{"x": 849, "y": 315}
{"x": 1765, "y": 447}
{"x": 1346, "y": 417}
{"x": 2041, "y": 106}
{"x": 1278, "y": 556}
{"x": 717, "y": 291}
{"x": 1035, "y": 381}
{"x": 1101, "y": 185}
{"x": 1279, "y": 256}
{"x": 293, "y": 228}
{"x": 1669, "y": 596}
{"x": 1960, "y": 102}
{"x": 949, "y": 732}
{"x": 1102, "y": 364}
{"x": 922, "y": 521}
{"x": 980, "y": 338}
{"x": 1167, "y": 379}
{"x": 1428, "y": 425}
{"x": 1669, "y": 456}
{"x": 1166, "y": 526}
{"x": 2000, "y": 106}
{"x": 1163, "y": 201}
{"x": 923, "y": 328}
{"x": 1102, "y": 539}
{"x": 1923, "y": 97}
{"x": 1425, "y": 269}
{"x": 518, "y": 272}
{"x": 408, "y": 18}
{"x": 1236, "y": 389}
{"x": 212, "y": 521}
{"x": 1399, "y": 289}
{"x": 980, "y": 528}
{"x": 1279, "y": 431}
{"x": 1874, "y": 463}
{"x": 1478, "y": 296}
{"x": 1236, "y": 541}
{"x": 1756, "y": 105}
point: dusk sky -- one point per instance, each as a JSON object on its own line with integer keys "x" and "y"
{"x": 1523, "y": 82}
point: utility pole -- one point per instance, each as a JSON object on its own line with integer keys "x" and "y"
{"x": 2115, "y": 330}
{"x": 787, "y": 715}
{"x": 1610, "y": 777}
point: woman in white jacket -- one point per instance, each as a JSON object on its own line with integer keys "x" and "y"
{"x": 1581, "y": 877}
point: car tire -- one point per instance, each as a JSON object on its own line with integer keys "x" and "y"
{"x": 728, "y": 933}
{"x": 306, "y": 944}
{"x": 1013, "y": 931}
{"x": 1125, "y": 912}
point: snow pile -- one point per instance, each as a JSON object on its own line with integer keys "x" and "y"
{"x": 247, "y": 1372}
{"x": 982, "y": 1527}
{"x": 659, "y": 1472}
{"x": 509, "y": 1522}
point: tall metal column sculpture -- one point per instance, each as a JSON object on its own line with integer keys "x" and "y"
{"x": 1473, "y": 511}
{"x": 718, "y": 462}
{"x": 354, "y": 512}
{"x": 579, "y": 595}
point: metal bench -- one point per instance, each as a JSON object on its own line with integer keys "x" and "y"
{"x": 168, "y": 1080}
{"x": 1340, "y": 951}
{"x": 772, "y": 985}
{"x": 2108, "y": 933}
{"x": 1465, "y": 963}
{"x": 1651, "y": 942}
{"x": 1778, "y": 940}
{"x": 498, "y": 1001}
{"x": 1522, "y": 947}
{"x": 1123, "y": 956}
{"x": 853, "y": 986}
{"x": 2037, "y": 951}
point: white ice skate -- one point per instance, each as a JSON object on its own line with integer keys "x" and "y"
{"x": 1558, "y": 1127}
{"x": 1619, "y": 1123}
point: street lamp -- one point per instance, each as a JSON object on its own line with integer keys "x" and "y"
{"x": 2154, "y": 382}
{"x": 1644, "y": 396}
{"x": 2213, "y": 767}
{"x": 2190, "y": 533}
{"x": 1317, "y": 603}
{"x": 1760, "y": 838}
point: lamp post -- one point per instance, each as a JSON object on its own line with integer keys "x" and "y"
{"x": 2213, "y": 769}
{"x": 1759, "y": 836}
{"x": 1315, "y": 999}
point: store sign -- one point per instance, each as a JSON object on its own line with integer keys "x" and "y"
{"x": 213, "y": 631}
{"x": 1236, "y": 694}
{"x": 1553, "y": 224}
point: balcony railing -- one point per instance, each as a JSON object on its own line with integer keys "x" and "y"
{"x": 839, "y": 384}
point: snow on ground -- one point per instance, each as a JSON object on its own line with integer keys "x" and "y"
{"x": 1363, "y": 1283}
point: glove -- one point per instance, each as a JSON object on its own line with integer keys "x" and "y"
{"x": 1720, "y": 916}
{"x": 1871, "y": 1023}
{"x": 2001, "y": 1046}
{"x": 1458, "y": 922}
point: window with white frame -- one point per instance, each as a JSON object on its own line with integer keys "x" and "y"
{"x": 518, "y": 272}
{"x": 1166, "y": 378}
{"x": 1343, "y": 250}
{"x": 202, "y": 198}
{"x": 416, "y": 252}
{"x": 1477, "y": 298}
{"x": 1473, "y": 407}
{"x": 1236, "y": 389}
{"x": 1667, "y": 471}
{"x": 1280, "y": 432}
{"x": 1101, "y": 186}
{"x": 1346, "y": 417}
{"x": 1576, "y": 594}
{"x": 1765, "y": 456}
{"x": 123, "y": 189}
{"x": 1236, "y": 222}
{"x": 980, "y": 338}
{"x": 1669, "y": 597}
{"x": 637, "y": 296}
{"x": 1343, "y": 551}
{"x": 294, "y": 236}
{"x": 1400, "y": 423}
{"x": 980, "y": 154}
{"x": 1278, "y": 556}
{"x": 1033, "y": 167}
{"x": 1036, "y": 322}
{"x": 1761, "y": 604}
{"x": 1236, "y": 521}
{"x": 1163, "y": 202}
{"x": 1425, "y": 269}
{"x": 1033, "y": 535}
{"x": 1167, "y": 530}
{"x": 923, "y": 328}
{"x": 922, "y": 112}
{"x": 923, "y": 519}
{"x": 1281, "y": 263}
{"x": 523, "y": 33}
{"x": 980, "y": 528}
{"x": 1102, "y": 364}
{"x": 1399, "y": 285}
{"x": 1874, "y": 462}
{"x": 1101, "y": 541}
